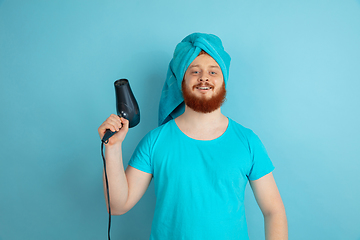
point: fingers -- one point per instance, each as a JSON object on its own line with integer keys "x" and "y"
{"x": 114, "y": 123}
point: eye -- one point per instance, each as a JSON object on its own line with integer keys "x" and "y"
{"x": 212, "y": 73}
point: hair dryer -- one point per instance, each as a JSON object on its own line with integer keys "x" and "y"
{"x": 126, "y": 106}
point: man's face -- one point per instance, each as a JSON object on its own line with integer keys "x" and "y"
{"x": 203, "y": 85}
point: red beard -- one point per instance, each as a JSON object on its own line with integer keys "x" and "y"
{"x": 201, "y": 104}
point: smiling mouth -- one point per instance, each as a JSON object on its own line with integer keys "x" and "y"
{"x": 204, "y": 88}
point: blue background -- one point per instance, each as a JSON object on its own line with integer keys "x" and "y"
{"x": 294, "y": 80}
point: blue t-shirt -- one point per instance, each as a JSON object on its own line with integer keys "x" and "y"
{"x": 200, "y": 185}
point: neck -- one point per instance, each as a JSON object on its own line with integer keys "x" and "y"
{"x": 202, "y": 126}
{"x": 200, "y": 120}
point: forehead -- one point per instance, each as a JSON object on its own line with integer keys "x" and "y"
{"x": 204, "y": 60}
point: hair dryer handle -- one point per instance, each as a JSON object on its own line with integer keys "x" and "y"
{"x": 108, "y": 134}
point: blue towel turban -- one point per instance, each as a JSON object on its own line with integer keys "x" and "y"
{"x": 172, "y": 101}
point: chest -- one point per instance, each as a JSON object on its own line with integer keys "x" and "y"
{"x": 201, "y": 162}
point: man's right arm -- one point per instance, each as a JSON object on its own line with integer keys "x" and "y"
{"x": 125, "y": 187}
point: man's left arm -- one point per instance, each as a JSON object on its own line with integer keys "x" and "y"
{"x": 268, "y": 198}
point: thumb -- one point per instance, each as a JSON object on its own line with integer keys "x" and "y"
{"x": 125, "y": 123}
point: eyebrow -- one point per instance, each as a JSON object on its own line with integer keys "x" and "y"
{"x": 212, "y": 66}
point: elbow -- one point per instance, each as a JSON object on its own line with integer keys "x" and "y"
{"x": 278, "y": 212}
{"x": 275, "y": 214}
{"x": 117, "y": 211}
{"x": 275, "y": 210}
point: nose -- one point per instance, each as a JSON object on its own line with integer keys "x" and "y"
{"x": 204, "y": 78}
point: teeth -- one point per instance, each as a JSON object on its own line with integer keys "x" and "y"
{"x": 203, "y": 88}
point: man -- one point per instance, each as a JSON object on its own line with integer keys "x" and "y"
{"x": 200, "y": 160}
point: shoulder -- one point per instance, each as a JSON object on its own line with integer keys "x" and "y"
{"x": 147, "y": 144}
{"x": 154, "y": 134}
{"x": 240, "y": 130}
{"x": 246, "y": 135}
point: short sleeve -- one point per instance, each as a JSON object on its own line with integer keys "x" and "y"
{"x": 261, "y": 163}
{"x": 141, "y": 158}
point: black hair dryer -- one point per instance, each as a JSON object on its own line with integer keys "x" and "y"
{"x": 126, "y": 106}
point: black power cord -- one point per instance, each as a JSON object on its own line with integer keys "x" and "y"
{"x": 107, "y": 185}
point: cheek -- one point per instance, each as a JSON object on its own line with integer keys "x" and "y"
{"x": 186, "y": 84}
{"x": 189, "y": 81}
{"x": 219, "y": 84}
{"x": 219, "y": 81}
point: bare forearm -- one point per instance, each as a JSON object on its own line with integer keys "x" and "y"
{"x": 276, "y": 226}
{"x": 118, "y": 185}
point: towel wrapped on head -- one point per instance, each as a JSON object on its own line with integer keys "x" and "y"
{"x": 172, "y": 101}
